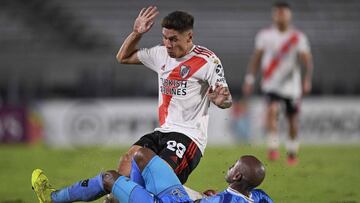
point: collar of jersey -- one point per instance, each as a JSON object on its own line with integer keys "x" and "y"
{"x": 236, "y": 193}
{"x": 290, "y": 30}
{"x": 187, "y": 56}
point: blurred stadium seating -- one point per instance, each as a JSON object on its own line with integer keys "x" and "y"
{"x": 60, "y": 84}
{"x": 66, "y": 48}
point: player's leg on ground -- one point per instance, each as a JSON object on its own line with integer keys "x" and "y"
{"x": 135, "y": 174}
{"x": 159, "y": 177}
{"x": 292, "y": 144}
{"x": 122, "y": 191}
{"x": 154, "y": 170}
{"x": 125, "y": 190}
{"x": 86, "y": 190}
{"x": 125, "y": 165}
{"x": 41, "y": 186}
{"x": 126, "y": 168}
{"x": 123, "y": 168}
{"x": 271, "y": 129}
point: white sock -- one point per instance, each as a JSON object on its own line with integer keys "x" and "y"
{"x": 192, "y": 193}
{"x": 273, "y": 141}
{"x": 292, "y": 146}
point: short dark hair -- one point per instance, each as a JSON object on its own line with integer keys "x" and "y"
{"x": 179, "y": 21}
{"x": 281, "y": 4}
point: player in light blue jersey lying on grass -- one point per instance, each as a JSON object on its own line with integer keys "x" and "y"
{"x": 153, "y": 180}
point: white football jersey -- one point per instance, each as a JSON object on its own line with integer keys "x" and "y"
{"x": 280, "y": 64}
{"x": 183, "y": 86}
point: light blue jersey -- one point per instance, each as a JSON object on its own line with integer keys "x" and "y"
{"x": 229, "y": 196}
{"x": 163, "y": 186}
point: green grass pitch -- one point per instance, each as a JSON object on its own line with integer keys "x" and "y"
{"x": 329, "y": 174}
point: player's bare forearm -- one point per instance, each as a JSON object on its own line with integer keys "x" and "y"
{"x": 127, "y": 52}
{"x": 255, "y": 62}
{"x": 306, "y": 60}
{"x": 250, "y": 75}
{"x": 220, "y": 96}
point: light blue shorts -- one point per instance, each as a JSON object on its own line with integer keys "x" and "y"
{"x": 161, "y": 185}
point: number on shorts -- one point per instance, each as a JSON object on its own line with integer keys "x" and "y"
{"x": 178, "y": 148}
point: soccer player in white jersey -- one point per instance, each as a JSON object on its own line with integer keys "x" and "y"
{"x": 189, "y": 76}
{"x": 280, "y": 51}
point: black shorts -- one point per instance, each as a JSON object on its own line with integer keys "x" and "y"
{"x": 292, "y": 106}
{"x": 177, "y": 149}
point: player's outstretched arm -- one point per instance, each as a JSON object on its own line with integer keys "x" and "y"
{"x": 220, "y": 96}
{"x": 143, "y": 23}
{"x": 250, "y": 76}
{"x": 306, "y": 60}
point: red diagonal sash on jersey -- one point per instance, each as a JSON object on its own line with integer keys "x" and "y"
{"x": 291, "y": 42}
{"x": 195, "y": 63}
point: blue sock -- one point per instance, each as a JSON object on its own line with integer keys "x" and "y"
{"x": 135, "y": 174}
{"x": 85, "y": 190}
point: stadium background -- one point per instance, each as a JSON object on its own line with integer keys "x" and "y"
{"x": 75, "y": 109}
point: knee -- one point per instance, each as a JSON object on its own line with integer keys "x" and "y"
{"x": 109, "y": 178}
{"x": 130, "y": 153}
{"x": 125, "y": 160}
{"x": 142, "y": 157}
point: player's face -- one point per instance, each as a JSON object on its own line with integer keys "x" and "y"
{"x": 177, "y": 43}
{"x": 233, "y": 172}
{"x": 281, "y": 16}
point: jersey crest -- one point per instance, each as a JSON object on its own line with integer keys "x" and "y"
{"x": 184, "y": 71}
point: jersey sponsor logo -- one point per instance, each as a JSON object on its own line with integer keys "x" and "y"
{"x": 219, "y": 70}
{"x": 173, "y": 87}
{"x": 184, "y": 71}
{"x": 177, "y": 192}
{"x": 85, "y": 183}
{"x": 221, "y": 80}
{"x": 195, "y": 63}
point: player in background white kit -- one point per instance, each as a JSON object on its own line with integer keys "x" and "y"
{"x": 190, "y": 77}
{"x": 280, "y": 51}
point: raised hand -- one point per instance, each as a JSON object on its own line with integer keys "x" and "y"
{"x": 220, "y": 96}
{"x": 145, "y": 19}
